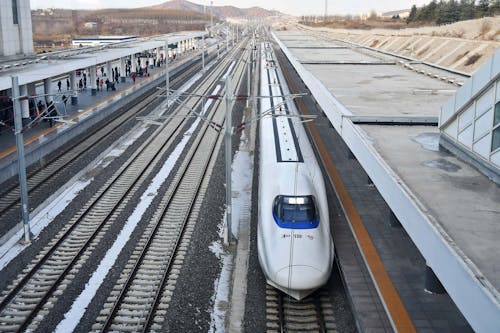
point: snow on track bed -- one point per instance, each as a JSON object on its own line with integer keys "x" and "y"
{"x": 31, "y": 296}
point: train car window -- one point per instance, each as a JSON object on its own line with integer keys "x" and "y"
{"x": 296, "y": 212}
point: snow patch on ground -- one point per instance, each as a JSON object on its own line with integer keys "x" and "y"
{"x": 12, "y": 247}
{"x": 116, "y": 152}
{"x": 220, "y": 298}
{"x": 241, "y": 182}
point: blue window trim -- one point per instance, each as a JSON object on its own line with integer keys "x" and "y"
{"x": 296, "y": 225}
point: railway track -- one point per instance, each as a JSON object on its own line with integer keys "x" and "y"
{"x": 286, "y": 315}
{"x": 39, "y": 181}
{"x": 29, "y": 298}
{"x": 140, "y": 300}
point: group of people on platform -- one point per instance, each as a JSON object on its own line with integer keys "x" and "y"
{"x": 47, "y": 109}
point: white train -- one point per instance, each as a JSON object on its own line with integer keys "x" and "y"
{"x": 295, "y": 246}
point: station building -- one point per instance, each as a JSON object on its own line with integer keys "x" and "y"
{"x": 16, "y": 36}
{"x": 470, "y": 120}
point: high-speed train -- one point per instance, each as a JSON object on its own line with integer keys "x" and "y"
{"x": 295, "y": 246}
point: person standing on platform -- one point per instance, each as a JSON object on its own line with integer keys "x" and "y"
{"x": 67, "y": 84}
{"x": 64, "y": 100}
{"x": 85, "y": 82}
{"x": 101, "y": 83}
{"x": 133, "y": 77}
{"x": 59, "y": 84}
{"x": 102, "y": 71}
{"x": 97, "y": 83}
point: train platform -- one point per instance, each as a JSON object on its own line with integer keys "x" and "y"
{"x": 387, "y": 116}
{"x": 71, "y": 116}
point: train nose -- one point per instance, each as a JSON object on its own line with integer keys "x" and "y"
{"x": 300, "y": 277}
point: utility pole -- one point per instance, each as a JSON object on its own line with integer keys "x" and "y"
{"x": 326, "y": 9}
{"x": 228, "y": 141}
{"x": 20, "y": 159}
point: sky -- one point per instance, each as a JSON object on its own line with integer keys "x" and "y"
{"x": 293, "y": 7}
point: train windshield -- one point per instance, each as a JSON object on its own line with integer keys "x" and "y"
{"x": 295, "y": 212}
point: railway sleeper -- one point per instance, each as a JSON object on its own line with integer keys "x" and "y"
{"x": 153, "y": 271}
{"x": 145, "y": 277}
{"x": 129, "y": 321}
{"x": 302, "y": 327}
{"x": 39, "y": 288}
{"x": 144, "y": 288}
{"x": 8, "y": 328}
{"x": 98, "y": 327}
{"x": 152, "y": 266}
{"x": 134, "y": 299}
{"x": 302, "y": 320}
{"x": 19, "y": 307}
{"x": 124, "y": 328}
{"x": 13, "y": 319}
{"x": 49, "y": 272}
{"x": 32, "y": 294}
{"x": 300, "y": 312}
{"x": 156, "y": 327}
{"x": 132, "y": 307}
{"x": 139, "y": 313}
{"x": 142, "y": 295}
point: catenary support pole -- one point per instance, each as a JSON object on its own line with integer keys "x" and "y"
{"x": 228, "y": 141}
{"x": 167, "y": 74}
{"x": 203, "y": 52}
{"x": 20, "y": 159}
{"x": 249, "y": 63}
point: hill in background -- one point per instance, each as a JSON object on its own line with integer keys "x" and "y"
{"x": 54, "y": 28}
{"x": 218, "y": 11}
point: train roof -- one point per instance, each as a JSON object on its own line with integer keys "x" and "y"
{"x": 277, "y": 123}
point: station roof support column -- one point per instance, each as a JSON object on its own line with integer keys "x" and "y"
{"x": 47, "y": 87}
{"x": 32, "y": 89}
{"x": 25, "y": 106}
{"x": 109, "y": 72}
{"x": 133, "y": 64}
{"x": 74, "y": 87}
{"x": 158, "y": 55}
{"x": 93, "y": 77}
{"x": 123, "y": 72}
